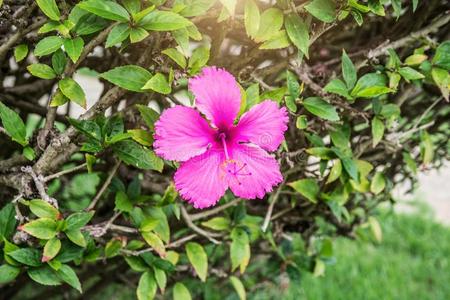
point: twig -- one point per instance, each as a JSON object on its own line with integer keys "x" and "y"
{"x": 190, "y": 224}
{"x": 105, "y": 185}
{"x": 39, "y": 183}
{"x": 270, "y": 209}
{"x": 59, "y": 174}
{"x": 216, "y": 210}
{"x": 19, "y": 215}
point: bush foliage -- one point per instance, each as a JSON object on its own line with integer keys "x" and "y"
{"x": 86, "y": 203}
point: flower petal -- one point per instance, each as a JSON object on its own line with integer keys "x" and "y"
{"x": 217, "y": 95}
{"x": 264, "y": 125}
{"x": 200, "y": 180}
{"x": 259, "y": 173}
{"x": 182, "y": 133}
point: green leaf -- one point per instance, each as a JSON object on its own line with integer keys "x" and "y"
{"x": 59, "y": 61}
{"x": 161, "y": 278}
{"x": 415, "y": 59}
{"x": 198, "y": 259}
{"x": 113, "y": 247}
{"x": 426, "y": 147}
{"x": 319, "y": 107}
{"x": 138, "y": 34}
{"x": 180, "y": 292}
{"x": 239, "y": 249}
{"x": 143, "y": 137}
{"x": 199, "y": 58}
{"x": 106, "y": 9}
{"x": 298, "y": 32}
{"x": 251, "y": 18}
{"x": 335, "y": 171}
{"x": 302, "y": 122}
{"x": 410, "y": 74}
{"x": 43, "y": 228}
{"x": 337, "y": 86}
{"x": 155, "y": 242}
{"x": 51, "y": 249}
{"x": 390, "y": 111}
{"x": 378, "y": 183}
{"x": 146, "y": 289}
{"x": 49, "y": 8}
{"x": 370, "y": 85}
{"x": 376, "y": 229}
{"x": 8, "y": 273}
{"x": 7, "y": 221}
{"x": 13, "y": 124}
{"x": 348, "y": 163}
{"x": 72, "y": 90}
{"x": 159, "y": 84}
{"x": 44, "y": 275}
{"x": 324, "y": 10}
{"x": 277, "y": 41}
{"x": 134, "y": 154}
{"x": 307, "y": 187}
{"x": 76, "y": 237}
{"x": 43, "y": 209}
{"x": 410, "y": 162}
{"x": 122, "y": 203}
{"x": 29, "y": 153}
{"x": 74, "y": 47}
{"x": 41, "y": 71}
{"x": 148, "y": 115}
{"x": 27, "y": 256}
{"x": 68, "y": 275}
{"x": 238, "y": 287}
{"x": 377, "y": 131}
{"x": 133, "y": 6}
{"x": 271, "y": 23}
{"x": 48, "y": 45}
{"x": 78, "y": 220}
{"x": 442, "y": 79}
{"x": 442, "y": 56}
{"x": 159, "y": 20}
{"x": 20, "y": 52}
{"x": 88, "y": 127}
{"x": 218, "y": 223}
{"x": 176, "y": 56}
{"x": 118, "y": 34}
{"x": 229, "y": 5}
{"x": 129, "y": 77}
{"x": 348, "y": 71}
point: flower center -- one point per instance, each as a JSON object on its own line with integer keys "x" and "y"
{"x": 231, "y": 168}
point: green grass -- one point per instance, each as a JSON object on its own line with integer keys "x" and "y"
{"x": 412, "y": 262}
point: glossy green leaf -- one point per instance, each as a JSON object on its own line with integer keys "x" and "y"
{"x": 118, "y": 34}
{"x": 106, "y": 9}
{"x": 176, "y": 56}
{"x": 378, "y": 183}
{"x": 13, "y": 124}
{"x": 410, "y": 74}
{"x": 59, "y": 61}
{"x": 271, "y": 23}
{"x": 238, "y": 287}
{"x": 74, "y": 47}
{"x": 72, "y": 90}
{"x": 302, "y": 122}
{"x": 76, "y": 237}
{"x": 51, "y": 249}
{"x": 324, "y": 10}
{"x": 129, "y": 77}
{"x": 27, "y": 256}
{"x": 43, "y": 228}
{"x": 198, "y": 259}
{"x": 159, "y": 20}
{"x": 44, "y": 275}
{"x": 239, "y": 249}
{"x": 252, "y": 18}
{"x": 377, "y": 131}
{"x": 306, "y": 187}
{"x": 8, "y": 273}
{"x": 180, "y": 292}
{"x": 68, "y": 275}
{"x": 49, "y": 8}
{"x": 20, "y": 52}
{"x": 199, "y": 58}
{"x": 319, "y": 107}
{"x": 217, "y": 223}
{"x": 442, "y": 56}
{"x": 41, "y": 71}
{"x": 78, "y": 220}
{"x": 149, "y": 115}
{"x": 348, "y": 71}
{"x": 138, "y": 34}
{"x": 298, "y": 32}
{"x": 134, "y": 154}
{"x": 159, "y": 84}
{"x": 146, "y": 289}
{"x": 48, "y": 45}
{"x": 7, "y": 221}
{"x": 278, "y": 40}
{"x": 155, "y": 242}
{"x": 370, "y": 85}
{"x": 43, "y": 209}
{"x": 335, "y": 171}
{"x": 337, "y": 86}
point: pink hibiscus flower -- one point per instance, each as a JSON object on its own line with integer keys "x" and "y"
{"x": 219, "y": 155}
